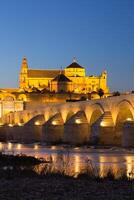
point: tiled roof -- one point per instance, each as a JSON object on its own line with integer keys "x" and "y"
{"x": 61, "y": 78}
{"x": 34, "y": 73}
{"x": 74, "y": 65}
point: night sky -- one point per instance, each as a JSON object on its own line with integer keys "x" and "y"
{"x": 99, "y": 33}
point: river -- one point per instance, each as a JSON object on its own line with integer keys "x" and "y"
{"x": 75, "y": 160}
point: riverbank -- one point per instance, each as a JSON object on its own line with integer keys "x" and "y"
{"x": 20, "y": 181}
{"x": 58, "y": 187}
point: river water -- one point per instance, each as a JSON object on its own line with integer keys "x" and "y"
{"x": 75, "y": 160}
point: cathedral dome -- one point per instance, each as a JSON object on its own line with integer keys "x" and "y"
{"x": 74, "y": 65}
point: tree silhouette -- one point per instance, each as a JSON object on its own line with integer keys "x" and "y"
{"x": 117, "y": 93}
{"x": 100, "y": 92}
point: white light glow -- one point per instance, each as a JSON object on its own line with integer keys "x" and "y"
{"x": 20, "y": 124}
{"x": 54, "y": 123}
{"x": 37, "y": 123}
{"x": 128, "y": 119}
{"x": 102, "y": 124}
{"x": 10, "y": 125}
{"x": 78, "y": 121}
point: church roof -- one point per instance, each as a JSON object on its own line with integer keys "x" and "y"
{"x": 34, "y": 73}
{"x": 61, "y": 78}
{"x": 74, "y": 65}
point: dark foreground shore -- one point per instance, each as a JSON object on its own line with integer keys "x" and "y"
{"x": 20, "y": 181}
{"x": 64, "y": 188}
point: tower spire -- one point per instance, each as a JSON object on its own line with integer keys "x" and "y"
{"x": 23, "y": 73}
{"x": 24, "y": 63}
{"x": 74, "y": 59}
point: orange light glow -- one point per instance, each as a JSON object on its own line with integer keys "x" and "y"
{"x": 36, "y": 147}
{"x": 18, "y": 146}
{"x": 9, "y": 146}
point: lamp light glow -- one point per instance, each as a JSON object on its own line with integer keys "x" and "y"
{"x": 37, "y": 123}
{"x": 78, "y": 121}
{"x": 128, "y": 119}
{"x": 20, "y": 124}
{"x": 54, "y": 123}
{"x": 102, "y": 124}
{"x": 10, "y": 125}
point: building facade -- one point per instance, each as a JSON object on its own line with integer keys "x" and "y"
{"x": 72, "y": 78}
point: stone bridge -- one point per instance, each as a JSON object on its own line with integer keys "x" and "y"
{"x": 103, "y": 121}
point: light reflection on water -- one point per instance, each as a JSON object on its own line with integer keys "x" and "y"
{"x": 75, "y": 160}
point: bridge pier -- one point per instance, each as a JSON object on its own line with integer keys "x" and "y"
{"x": 53, "y": 129}
{"x": 128, "y": 134}
{"x": 103, "y": 130}
{"x": 76, "y": 129}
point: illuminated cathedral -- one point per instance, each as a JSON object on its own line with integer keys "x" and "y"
{"x": 72, "y": 78}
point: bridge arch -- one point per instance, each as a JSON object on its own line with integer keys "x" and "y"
{"x": 78, "y": 117}
{"x": 49, "y": 112}
{"x": 69, "y": 115}
{"x": 22, "y": 97}
{"x": 9, "y": 97}
{"x": 26, "y": 116}
{"x": 97, "y": 111}
{"x": 36, "y": 120}
{"x": 124, "y": 112}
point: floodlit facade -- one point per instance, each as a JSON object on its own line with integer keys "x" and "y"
{"x": 72, "y": 78}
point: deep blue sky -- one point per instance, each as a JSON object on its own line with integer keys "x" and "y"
{"x": 100, "y": 33}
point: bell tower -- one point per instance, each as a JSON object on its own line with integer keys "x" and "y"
{"x": 23, "y": 73}
{"x": 103, "y": 82}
